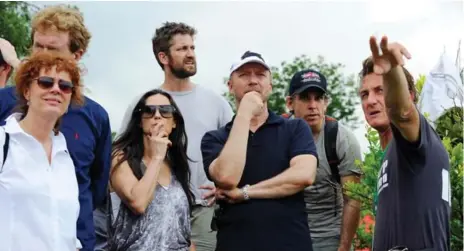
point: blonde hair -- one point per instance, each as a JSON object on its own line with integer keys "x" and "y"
{"x": 64, "y": 19}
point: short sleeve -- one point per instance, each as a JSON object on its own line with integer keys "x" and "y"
{"x": 302, "y": 141}
{"x": 211, "y": 147}
{"x": 348, "y": 151}
{"x": 417, "y": 148}
{"x": 226, "y": 113}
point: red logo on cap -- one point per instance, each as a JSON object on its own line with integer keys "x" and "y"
{"x": 310, "y": 75}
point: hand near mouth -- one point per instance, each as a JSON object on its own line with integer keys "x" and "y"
{"x": 159, "y": 141}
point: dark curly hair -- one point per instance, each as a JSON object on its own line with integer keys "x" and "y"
{"x": 162, "y": 40}
{"x": 368, "y": 68}
{"x": 30, "y": 70}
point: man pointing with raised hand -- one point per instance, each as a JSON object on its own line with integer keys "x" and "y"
{"x": 413, "y": 192}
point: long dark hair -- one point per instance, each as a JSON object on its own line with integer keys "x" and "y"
{"x": 129, "y": 145}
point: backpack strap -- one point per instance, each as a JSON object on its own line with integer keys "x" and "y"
{"x": 6, "y": 145}
{"x": 330, "y": 145}
{"x": 109, "y": 216}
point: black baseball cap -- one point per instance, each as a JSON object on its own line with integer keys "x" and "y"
{"x": 306, "y": 79}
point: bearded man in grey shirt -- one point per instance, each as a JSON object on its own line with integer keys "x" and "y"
{"x": 203, "y": 111}
{"x": 333, "y": 217}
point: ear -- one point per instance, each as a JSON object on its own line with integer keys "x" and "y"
{"x": 163, "y": 58}
{"x": 289, "y": 103}
{"x": 230, "y": 86}
{"x": 411, "y": 94}
{"x": 8, "y": 68}
{"x": 78, "y": 54}
{"x": 27, "y": 93}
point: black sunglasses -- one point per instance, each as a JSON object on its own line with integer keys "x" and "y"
{"x": 49, "y": 82}
{"x": 149, "y": 111}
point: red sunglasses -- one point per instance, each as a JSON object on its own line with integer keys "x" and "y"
{"x": 49, "y": 82}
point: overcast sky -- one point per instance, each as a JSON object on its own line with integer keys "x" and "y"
{"x": 121, "y": 64}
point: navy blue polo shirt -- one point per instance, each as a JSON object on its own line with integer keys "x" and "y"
{"x": 264, "y": 224}
{"x": 88, "y": 137}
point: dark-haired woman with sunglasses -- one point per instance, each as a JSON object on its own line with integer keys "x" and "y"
{"x": 39, "y": 203}
{"x": 150, "y": 174}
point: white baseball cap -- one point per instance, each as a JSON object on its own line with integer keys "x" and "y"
{"x": 249, "y": 57}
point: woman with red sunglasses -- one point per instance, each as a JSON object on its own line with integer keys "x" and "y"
{"x": 38, "y": 187}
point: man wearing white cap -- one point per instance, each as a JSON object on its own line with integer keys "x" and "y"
{"x": 260, "y": 164}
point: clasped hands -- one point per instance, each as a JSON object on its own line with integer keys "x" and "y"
{"x": 232, "y": 196}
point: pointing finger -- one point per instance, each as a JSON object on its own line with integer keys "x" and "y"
{"x": 161, "y": 132}
{"x": 374, "y": 47}
{"x": 384, "y": 45}
{"x": 155, "y": 129}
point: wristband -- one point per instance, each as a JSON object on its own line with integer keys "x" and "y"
{"x": 244, "y": 189}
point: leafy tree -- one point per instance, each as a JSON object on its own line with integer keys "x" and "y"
{"x": 15, "y": 18}
{"x": 342, "y": 89}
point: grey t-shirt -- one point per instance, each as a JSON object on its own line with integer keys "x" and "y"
{"x": 203, "y": 111}
{"x": 324, "y": 200}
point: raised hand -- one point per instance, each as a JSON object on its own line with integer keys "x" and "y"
{"x": 392, "y": 55}
{"x": 9, "y": 53}
{"x": 252, "y": 104}
{"x": 159, "y": 141}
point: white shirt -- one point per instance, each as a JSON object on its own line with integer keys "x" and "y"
{"x": 39, "y": 202}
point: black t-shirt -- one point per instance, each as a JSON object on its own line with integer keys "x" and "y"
{"x": 264, "y": 224}
{"x": 414, "y": 194}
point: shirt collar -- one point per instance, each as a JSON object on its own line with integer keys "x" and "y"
{"x": 272, "y": 119}
{"x": 12, "y": 124}
{"x": 12, "y": 127}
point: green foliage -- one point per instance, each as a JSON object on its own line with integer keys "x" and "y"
{"x": 15, "y": 27}
{"x": 420, "y": 83}
{"x": 113, "y": 136}
{"x": 365, "y": 190}
{"x": 449, "y": 127}
{"x": 342, "y": 89}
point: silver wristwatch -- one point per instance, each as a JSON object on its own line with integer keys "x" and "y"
{"x": 245, "y": 192}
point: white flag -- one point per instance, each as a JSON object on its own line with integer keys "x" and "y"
{"x": 442, "y": 89}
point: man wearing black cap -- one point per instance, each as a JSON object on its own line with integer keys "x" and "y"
{"x": 332, "y": 216}
{"x": 260, "y": 163}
